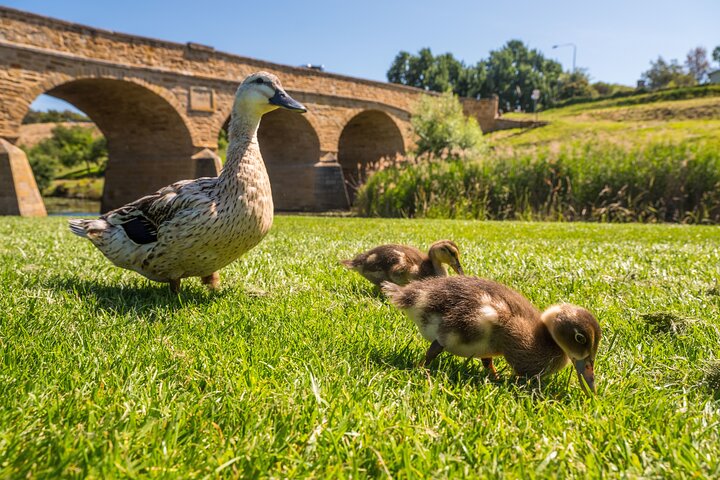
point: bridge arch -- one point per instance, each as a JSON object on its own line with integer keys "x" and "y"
{"x": 366, "y": 139}
{"x": 149, "y": 143}
{"x": 290, "y": 147}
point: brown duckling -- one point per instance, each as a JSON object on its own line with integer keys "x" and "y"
{"x": 475, "y": 317}
{"x": 401, "y": 264}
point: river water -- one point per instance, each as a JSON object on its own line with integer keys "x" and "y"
{"x": 71, "y": 207}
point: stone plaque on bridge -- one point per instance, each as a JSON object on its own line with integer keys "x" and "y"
{"x": 202, "y": 99}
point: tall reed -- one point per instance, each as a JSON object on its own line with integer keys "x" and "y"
{"x": 594, "y": 182}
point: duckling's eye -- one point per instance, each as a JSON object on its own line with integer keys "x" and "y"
{"x": 259, "y": 80}
{"x": 580, "y": 338}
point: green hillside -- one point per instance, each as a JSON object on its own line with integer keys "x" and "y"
{"x": 672, "y": 116}
{"x": 653, "y": 157}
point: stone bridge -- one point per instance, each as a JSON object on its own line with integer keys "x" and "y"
{"x": 162, "y": 105}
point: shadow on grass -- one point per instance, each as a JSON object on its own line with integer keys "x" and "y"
{"x": 458, "y": 372}
{"x": 711, "y": 377}
{"x": 138, "y": 298}
{"x": 358, "y": 288}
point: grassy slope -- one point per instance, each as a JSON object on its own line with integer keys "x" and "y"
{"x": 295, "y": 368}
{"x": 613, "y": 121}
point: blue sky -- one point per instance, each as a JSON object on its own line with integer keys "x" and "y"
{"x": 615, "y": 39}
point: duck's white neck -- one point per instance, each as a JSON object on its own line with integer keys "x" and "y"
{"x": 243, "y": 148}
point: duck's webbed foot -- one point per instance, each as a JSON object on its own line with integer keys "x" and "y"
{"x": 175, "y": 286}
{"x": 212, "y": 281}
{"x": 432, "y": 352}
{"x": 488, "y": 364}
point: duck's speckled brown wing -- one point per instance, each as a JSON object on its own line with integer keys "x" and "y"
{"x": 142, "y": 218}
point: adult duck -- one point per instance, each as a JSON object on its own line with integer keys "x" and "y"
{"x": 193, "y": 228}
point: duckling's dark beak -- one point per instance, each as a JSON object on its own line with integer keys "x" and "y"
{"x": 282, "y": 99}
{"x": 586, "y": 373}
{"x": 458, "y": 269}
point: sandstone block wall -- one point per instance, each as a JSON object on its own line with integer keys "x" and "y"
{"x": 19, "y": 194}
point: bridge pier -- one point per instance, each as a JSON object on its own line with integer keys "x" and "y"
{"x": 19, "y": 194}
{"x": 207, "y": 163}
{"x": 330, "y": 190}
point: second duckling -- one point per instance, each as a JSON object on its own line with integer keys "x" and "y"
{"x": 475, "y": 317}
{"x": 401, "y": 264}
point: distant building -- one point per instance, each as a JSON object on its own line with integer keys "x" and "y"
{"x": 714, "y": 77}
{"x": 319, "y": 68}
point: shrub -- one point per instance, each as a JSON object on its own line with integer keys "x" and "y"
{"x": 44, "y": 169}
{"x": 652, "y": 183}
{"x": 68, "y": 147}
{"x": 442, "y": 129}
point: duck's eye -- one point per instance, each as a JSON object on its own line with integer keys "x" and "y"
{"x": 259, "y": 80}
{"x": 580, "y": 338}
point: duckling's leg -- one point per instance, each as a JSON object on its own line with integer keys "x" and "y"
{"x": 432, "y": 352}
{"x": 175, "y": 286}
{"x": 488, "y": 363}
{"x": 212, "y": 281}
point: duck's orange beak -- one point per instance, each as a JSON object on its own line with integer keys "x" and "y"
{"x": 586, "y": 373}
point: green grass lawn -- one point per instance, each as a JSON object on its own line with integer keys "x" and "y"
{"x": 295, "y": 368}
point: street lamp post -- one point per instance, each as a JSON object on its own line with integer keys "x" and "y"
{"x": 574, "y": 51}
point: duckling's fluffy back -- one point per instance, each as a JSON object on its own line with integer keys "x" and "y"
{"x": 396, "y": 263}
{"x": 459, "y": 296}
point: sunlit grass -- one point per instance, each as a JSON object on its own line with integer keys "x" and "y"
{"x": 296, "y": 368}
{"x": 669, "y": 121}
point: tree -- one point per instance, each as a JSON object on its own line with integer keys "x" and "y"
{"x": 70, "y": 147}
{"x": 697, "y": 63}
{"x": 575, "y": 85}
{"x": 426, "y": 71}
{"x": 512, "y": 73}
{"x": 472, "y": 81}
{"x": 44, "y": 168}
{"x": 663, "y": 74}
{"x": 716, "y": 54}
{"x": 605, "y": 89}
{"x": 73, "y": 145}
{"x": 443, "y": 129}
{"x": 53, "y": 116}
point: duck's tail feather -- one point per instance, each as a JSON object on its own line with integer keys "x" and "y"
{"x": 348, "y": 263}
{"x": 79, "y": 227}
